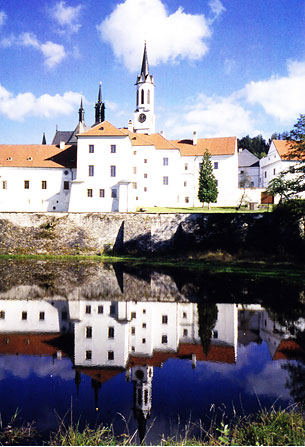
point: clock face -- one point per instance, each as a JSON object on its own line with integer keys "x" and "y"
{"x": 142, "y": 117}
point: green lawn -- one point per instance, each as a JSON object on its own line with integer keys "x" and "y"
{"x": 223, "y": 209}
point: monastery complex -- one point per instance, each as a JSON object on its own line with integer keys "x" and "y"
{"x": 106, "y": 169}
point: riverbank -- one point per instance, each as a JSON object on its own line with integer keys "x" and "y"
{"x": 277, "y": 428}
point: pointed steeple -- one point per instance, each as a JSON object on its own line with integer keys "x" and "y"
{"x": 145, "y": 67}
{"x": 81, "y": 112}
{"x": 44, "y": 141}
{"x": 99, "y": 107}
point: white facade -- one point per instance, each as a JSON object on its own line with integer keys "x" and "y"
{"x": 273, "y": 164}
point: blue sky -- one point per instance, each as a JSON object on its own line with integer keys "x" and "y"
{"x": 221, "y": 67}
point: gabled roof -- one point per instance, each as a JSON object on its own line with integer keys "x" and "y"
{"x": 156, "y": 139}
{"x": 215, "y": 146}
{"x": 247, "y": 159}
{"x": 37, "y": 156}
{"x": 100, "y": 374}
{"x": 284, "y": 149}
{"x": 62, "y": 135}
{"x": 29, "y": 344}
{"x": 104, "y": 129}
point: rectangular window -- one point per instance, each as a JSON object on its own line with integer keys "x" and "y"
{"x": 164, "y": 339}
{"x": 265, "y": 174}
{"x": 111, "y": 332}
{"x": 26, "y": 184}
{"x": 88, "y": 309}
{"x": 88, "y": 332}
{"x": 89, "y": 192}
{"x": 144, "y": 325}
{"x": 186, "y": 166}
{"x": 112, "y": 171}
{"x": 91, "y": 170}
{"x": 185, "y": 184}
{"x": 215, "y": 164}
{"x": 134, "y": 185}
{"x": 88, "y": 355}
{"x": 102, "y": 193}
{"x": 100, "y": 309}
{"x": 4, "y": 184}
{"x": 134, "y": 152}
{"x": 165, "y": 180}
{"x": 113, "y": 148}
{"x": 24, "y": 316}
{"x": 110, "y": 355}
{"x": 43, "y": 184}
{"x": 184, "y": 315}
{"x": 274, "y": 171}
{"x": 2, "y": 314}
{"x": 91, "y": 148}
{"x": 215, "y": 334}
{"x": 114, "y": 193}
{"x": 134, "y": 170}
{"x": 145, "y": 160}
{"x": 133, "y": 330}
{"x": 144, "y": 311}
{"x": 66, "y": 185}
{"x": 145, "y": 189}
{"x": 41, "y": 315}
{"x": 143, "y": 341}
{"x": 133, "y": 315}
{"x": 216, "y": 182}
{"x": 112, "y": 309}
{"x": 187, "y": 199}
{"x": 165, "y": 161}
{"x": 200, "y": 166}
{"x": 145, "y": 175}
{"x": 164, "y": 319}
{"x": 185, "y": 332}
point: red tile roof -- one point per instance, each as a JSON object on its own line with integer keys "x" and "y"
{"x": 289, "y": 349}
{"x": 105, "y": 129}
{"x": 100, "y": 374}
{"x": 216, "y": 146}
{"x": 37, "y": 156}
{"x": 285, "y": 149}
{"x": 29, "y": 344}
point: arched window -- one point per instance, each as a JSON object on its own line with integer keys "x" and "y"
{"x": 137, "y": 97}
{"x": 148, "y": 96}
{"x": 142, "y": 96}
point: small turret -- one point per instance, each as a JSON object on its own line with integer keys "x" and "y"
{"x": 81, "y": 112}
{"x": 44, "y": 141}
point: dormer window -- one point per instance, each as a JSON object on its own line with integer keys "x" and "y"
{"x": 30, "y": 159}
{"x": 9, "y": 158}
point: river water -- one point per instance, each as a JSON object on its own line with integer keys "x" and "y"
{"x": 146, "y": 350}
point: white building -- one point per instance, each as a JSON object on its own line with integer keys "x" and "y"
{"x": 104, "y": 169}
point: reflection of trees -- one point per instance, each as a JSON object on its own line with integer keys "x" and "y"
{"x": 296, "y": 380}
{"x": 207, "y": 315}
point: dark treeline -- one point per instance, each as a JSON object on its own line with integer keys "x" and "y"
{"x": 258, "y": 145}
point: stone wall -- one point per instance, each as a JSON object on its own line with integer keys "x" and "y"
{"x": 96, "y": 233}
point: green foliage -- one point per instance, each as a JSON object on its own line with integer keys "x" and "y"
{"x": 207, "y": 191}
{"x": 257, "y": 145}
{"x": 74, "y": 436}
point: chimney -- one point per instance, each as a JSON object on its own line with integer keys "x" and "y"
{"x": 162, "y": 133}
{"x": 62, "y": 145}
{"x": 130, "y": 126}
{"x": 194, "y": 138}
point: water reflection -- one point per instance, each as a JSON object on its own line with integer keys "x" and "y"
{"x": 117, "y": 323}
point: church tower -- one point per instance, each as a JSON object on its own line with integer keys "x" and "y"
{"x": 144, "y": 117}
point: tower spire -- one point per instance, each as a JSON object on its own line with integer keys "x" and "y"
{"x": 99, "y": 107}
{"x": 145, "y": 66}
{"x": 81, "y": 112}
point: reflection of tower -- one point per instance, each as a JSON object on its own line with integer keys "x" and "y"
{"x": 96, "y": 385}
{"x": 142, "y": 395}
{"x": 77, "y": 381}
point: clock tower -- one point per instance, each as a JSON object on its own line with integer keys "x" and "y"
{"x": 144, "y": 117}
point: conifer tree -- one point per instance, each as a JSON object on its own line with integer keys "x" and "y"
{"x": 207, "y": 191}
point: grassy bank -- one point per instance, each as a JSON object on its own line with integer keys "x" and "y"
{"x": 209, "y": 262}
{"x": 264, "y": 428}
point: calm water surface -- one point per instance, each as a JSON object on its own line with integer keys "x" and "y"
{"x": 145, "y": 350}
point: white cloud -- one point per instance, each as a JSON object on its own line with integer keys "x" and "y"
{"x": 3, "y": 17}
{"x": 67, "y": 16}
{"x": 280, "y": 97}
{"x": 169, "y": 37}
{"x": 53, "y": 53}
{"x": 217, "y": 8}
{"x": 24, "y": 105}
{"x": 211, "y": 117}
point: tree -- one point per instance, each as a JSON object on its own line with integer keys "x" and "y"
{"x": 207, "y": 191}
{"x": 256, "y": 145}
